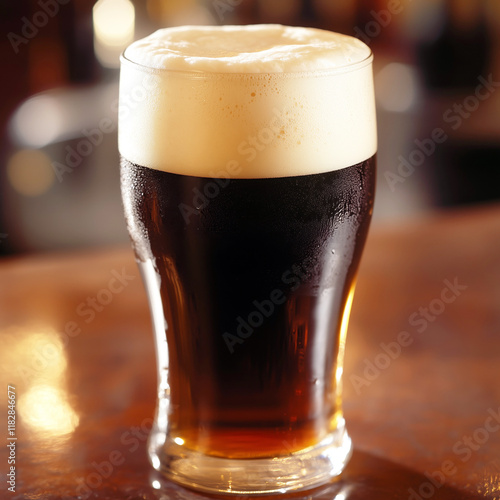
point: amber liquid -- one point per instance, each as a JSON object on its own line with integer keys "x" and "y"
{"x": 254, "y": 280}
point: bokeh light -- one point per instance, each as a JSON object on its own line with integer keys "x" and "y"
{"x": 30, "y": 172}
{"x": 44, "y": 408}
{"x": 114, "y": 27}
{"x": 38, "y": 121}
{"x": 396, "y": 87}
{"x": 35, "y": 357}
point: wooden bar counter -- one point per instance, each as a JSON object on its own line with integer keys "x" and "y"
{"x": 421, "y": 378}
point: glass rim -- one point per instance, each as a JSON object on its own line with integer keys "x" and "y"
{"x": 339, "y": 70}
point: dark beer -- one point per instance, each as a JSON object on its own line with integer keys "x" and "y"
{"x": 250, "y": 281}
{"x": 247, "y": 172}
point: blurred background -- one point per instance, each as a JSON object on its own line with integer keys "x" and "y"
{"x": 437, "y": 77}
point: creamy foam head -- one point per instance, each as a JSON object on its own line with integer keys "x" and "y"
{"x": 246, "y": 101}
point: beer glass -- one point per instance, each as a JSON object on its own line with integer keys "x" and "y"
{"x": 247, "y": 175}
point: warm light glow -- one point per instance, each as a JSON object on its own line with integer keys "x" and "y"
{"x": 38, "y": 121}
{"x": 346, "y": 315}
{"x": 155, "y": 461}
{"x": 343, "y": 335}
{"x": 396, "y": 87}
{"x": 34, "y": 353}
{"x": 44, "y": 354}
{"x": 44, "y": 408}
{"x": 114, "y": 21}
{"x": 30, "y": 172}
{"x": 179, "y": 441}
{"x": 338, "y": 374}
{"x": 114, "y": 25}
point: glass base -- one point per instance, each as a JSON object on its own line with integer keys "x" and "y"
{"x": 302, "y": 470}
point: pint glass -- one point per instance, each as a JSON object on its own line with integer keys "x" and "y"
{"x": 247, "y": 175}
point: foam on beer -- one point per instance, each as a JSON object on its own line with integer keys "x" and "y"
{"x": 246, "y": 101}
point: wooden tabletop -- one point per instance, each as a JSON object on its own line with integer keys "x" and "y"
{"x": 421, "y": 380}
